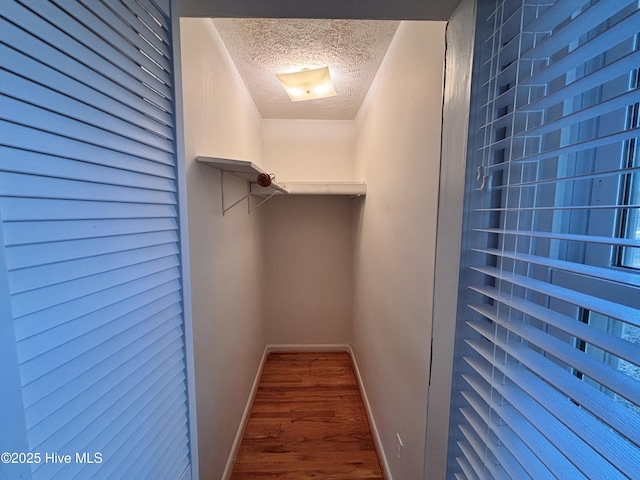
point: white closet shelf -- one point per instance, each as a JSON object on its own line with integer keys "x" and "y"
{"x": 355, "y": 189}
{"x": 244, "y": 169}
{"x": 249, "y": 172}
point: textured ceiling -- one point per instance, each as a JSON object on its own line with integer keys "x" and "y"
{"x": 352, "y": 49}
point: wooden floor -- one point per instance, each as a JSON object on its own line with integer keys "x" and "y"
{"x": 307, "y": 421}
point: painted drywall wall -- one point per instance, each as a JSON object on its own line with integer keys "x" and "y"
{"x": 308, "y": 249}
{"x": 310, "y": 150}
{"x": 308, "y": 254}
{"x": 398, "y": 154}
{"x": 226, "y": 262}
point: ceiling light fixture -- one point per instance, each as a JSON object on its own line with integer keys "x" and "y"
{"x": 307, "y": 84}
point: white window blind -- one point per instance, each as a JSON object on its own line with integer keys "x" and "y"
{"x": 547, "y": 363}
{"x": 89, "y": 223}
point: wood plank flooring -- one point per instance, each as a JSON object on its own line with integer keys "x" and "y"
{"x": 307, "y": 421}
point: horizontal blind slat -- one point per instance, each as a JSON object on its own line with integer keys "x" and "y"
{"x": 547, "y": 453}
{"x": 551, "y": 332}
{"x": 599, "y": 44}
{"x": 569, "y": 237}
{"x": 560, "y": 208}
{"x": 510, "y": 468}
{"x": 614, "y": 380}
{"x": 585, "y": 21}
{"x": 621, "y": 66}
{"x": 530, "y": 463}
{"x": 620, "y": 276}
{"x": 602, "y": 373}
{"x": 619, "y": 418}
{"x": 611, "y": 309}
{"x": 475, "y": 469}
{"x": 610, "y": 343}
{"x": 578, "y": 177}
{"x": 570, "y": 148}
{"x": 554, "y": 15}
{"x": 615, "y": 451}
{"x": 493, "y": 467}
{"x": 618, "y": 102}
{"x": 569, "y": 444}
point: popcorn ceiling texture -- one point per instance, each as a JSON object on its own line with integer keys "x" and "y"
{"x": 352, "y": 49}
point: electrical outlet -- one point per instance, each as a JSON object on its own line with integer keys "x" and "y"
{"x": 399, "y": 446}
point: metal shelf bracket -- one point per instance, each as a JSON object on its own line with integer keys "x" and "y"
{"x": 250, "y": 193}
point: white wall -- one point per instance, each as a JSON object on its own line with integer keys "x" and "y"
{"x": 309, "y": 275}
{"x": 226, "y": 261}
{"x": 310, "y": 150}
{"x": 308, "y": 283}
{"x": 398, "y": 154}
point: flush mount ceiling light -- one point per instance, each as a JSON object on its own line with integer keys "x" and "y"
{"x": 307, "y": 84}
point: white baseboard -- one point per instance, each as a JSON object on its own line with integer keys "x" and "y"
{"x": 372, "y": 423}
{"x": 310, "y": 347}
{"x": 245, "y": 417}
{"x": 338, "y": 347}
